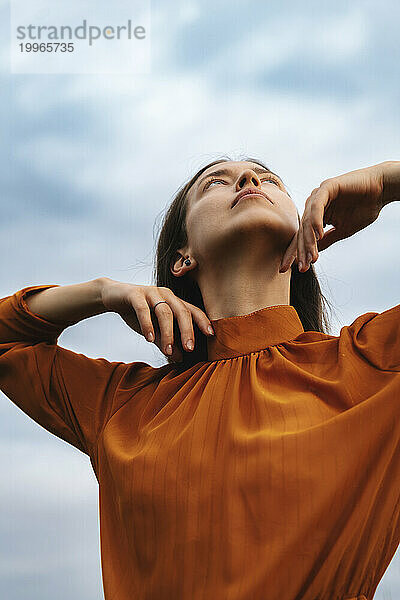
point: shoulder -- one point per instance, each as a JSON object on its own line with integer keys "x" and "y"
{"x": 372, "y": 339}
{"x": 139, "y": 373}
{"x": 375, "y": 336}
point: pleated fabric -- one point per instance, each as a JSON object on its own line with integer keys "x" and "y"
{"x": 270, "y": 471}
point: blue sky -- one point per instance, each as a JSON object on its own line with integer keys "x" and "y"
{"x": 88, "y": 164}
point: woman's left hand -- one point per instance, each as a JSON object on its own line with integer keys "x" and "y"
{"x": 349, "y": 202}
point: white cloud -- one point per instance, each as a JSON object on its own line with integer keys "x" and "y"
{"x": 123, "y": 145}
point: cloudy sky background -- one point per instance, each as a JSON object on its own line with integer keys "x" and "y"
{"x": 88, "y": 164}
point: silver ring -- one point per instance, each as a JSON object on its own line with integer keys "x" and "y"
{"x": 159, "y": 303}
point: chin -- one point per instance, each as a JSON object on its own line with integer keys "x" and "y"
{"x": 257, "y": 219}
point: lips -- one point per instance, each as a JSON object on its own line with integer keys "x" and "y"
{"x": 247, "y": 191}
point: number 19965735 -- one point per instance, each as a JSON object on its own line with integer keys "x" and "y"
{"x": 47, "y": 47}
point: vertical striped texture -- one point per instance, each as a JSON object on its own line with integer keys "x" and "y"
{"x": 269, "y": 472}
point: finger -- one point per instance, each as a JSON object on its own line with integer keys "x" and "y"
{"x": 184, "y": 320}
{"x": 313, "y": 221}
{"x": 318, "y": 211}
{"x": 289, "y": 255}
{"x": 176, "y": 355}
{"x": 310, "y": 244}
{"x": 185, "y": 313}
{"x": 307, "y": 238}
{"x": 201, "y": 319}
{"x": 330, "y": 237}
{"x": 165, "y": 319}
{"x": 133, "y": 319}
{"x": 143, "y": 315}
{"x": 301, "y": 249}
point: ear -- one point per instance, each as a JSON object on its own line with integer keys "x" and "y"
{"x": 178, "y": 267}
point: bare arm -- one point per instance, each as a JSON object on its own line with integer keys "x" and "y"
{"x": 350, "y": 202}
{"x": 68, "y": 302}
{"x": 66, "y": 305}
{"x": 391, "y": 182}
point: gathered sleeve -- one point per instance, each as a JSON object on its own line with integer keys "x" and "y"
{"x": 376, "y": 338}
{"x": 69, "y": 394}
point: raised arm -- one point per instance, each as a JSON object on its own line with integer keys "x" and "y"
{"x": 391, "y": 182}
{"x": 68, "y": 304}
{"x": 70, "y": 394}
{"x": 67, "y": 393}
{"x": 350, "y": 202}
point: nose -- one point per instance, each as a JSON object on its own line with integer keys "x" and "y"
{"x": 248, "y": 177}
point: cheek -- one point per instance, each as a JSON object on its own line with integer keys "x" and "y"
{"x": 289, "y": 209}
{"x": 200, "y": 225}
{"x": 204, "y": 225}
{"x": 204, "y": 214}
{"x": 287, "y": 223}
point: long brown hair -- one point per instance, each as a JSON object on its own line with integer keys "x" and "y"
{"x": 305, "y": 292}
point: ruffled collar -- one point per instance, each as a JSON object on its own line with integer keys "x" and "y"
{"x": 243, "y": 334}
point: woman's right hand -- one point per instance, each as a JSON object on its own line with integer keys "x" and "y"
{"x": 134, "y": 303}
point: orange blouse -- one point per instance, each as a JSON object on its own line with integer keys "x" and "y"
{"x": 269, "y": 472}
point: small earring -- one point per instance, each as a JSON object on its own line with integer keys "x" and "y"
{"x": 187, "y": 262}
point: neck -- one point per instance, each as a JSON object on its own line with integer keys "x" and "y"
{"x": 229, "y": 292}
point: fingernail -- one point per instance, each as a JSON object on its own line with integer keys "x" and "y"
{"x": 150, "y": 337}
{"x": 189, "y": 344}
{"x": 210, "y": 330}
{"x": 309, "y": 257}
{"x": 168, "y": 349}
{"x": 300, "y": 265}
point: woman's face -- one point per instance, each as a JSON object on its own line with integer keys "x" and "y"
{"x": 262, "y": 223}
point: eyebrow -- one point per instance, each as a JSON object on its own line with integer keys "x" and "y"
{"x": 227, "y": 172}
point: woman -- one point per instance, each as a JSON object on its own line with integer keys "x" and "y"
{"x": 263, "y": 463}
